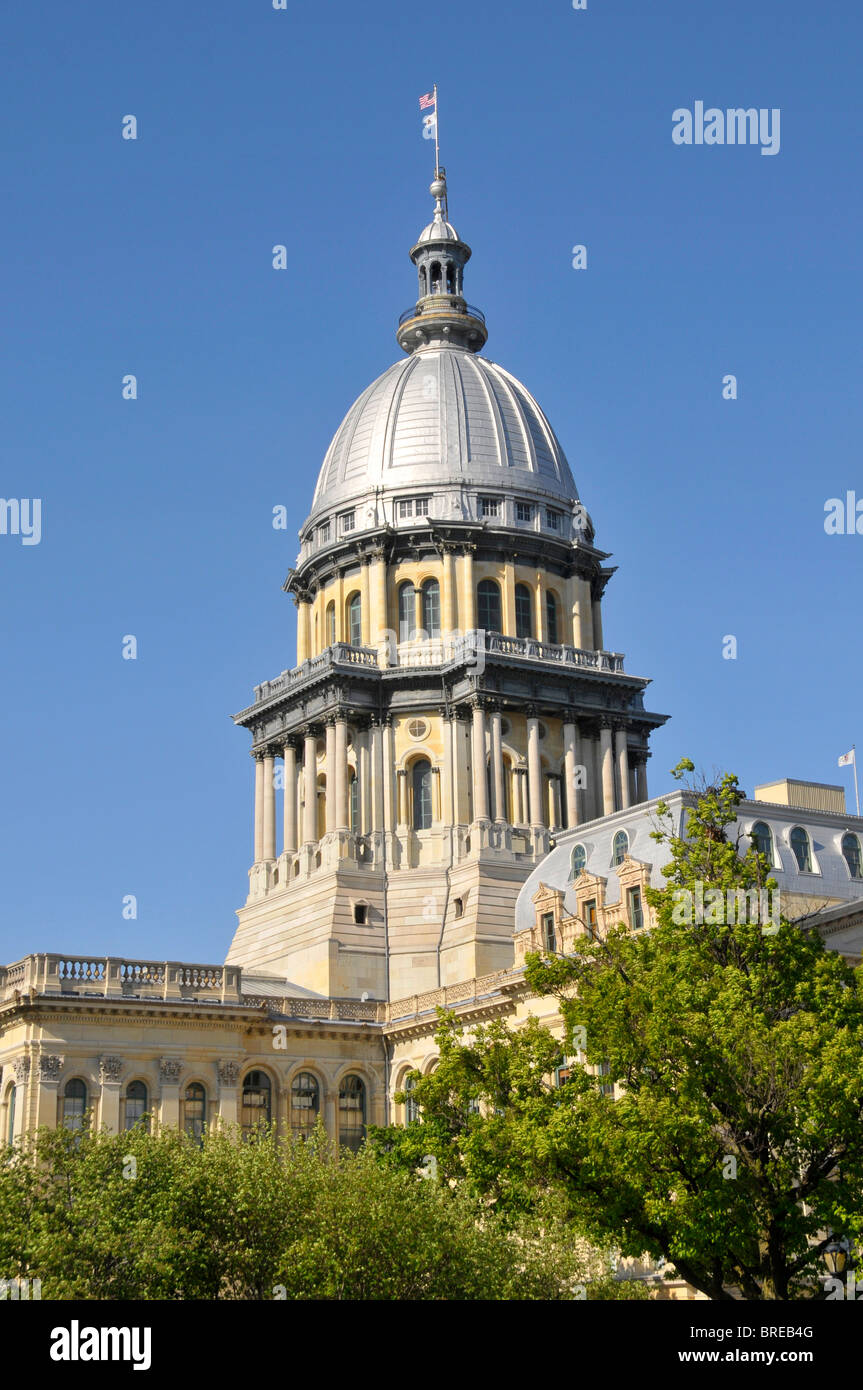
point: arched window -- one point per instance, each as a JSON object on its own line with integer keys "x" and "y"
{"x": 10, "y": 1117}
{"x": 423, "y": 281}
{"x": 136, "y": 1104}
{"x": 354, "y": 803}
{"x": 257, "y": 1101}
{"x": 352, "y": 1112}
{"x": 305, "y": 1103}
{"x": 421, "y": 778}
{"x": 407, "y": 612}
{"x": 195, "y": 1111}
{"x": 552, "y": 630}
{"x": 431, "y": 608}
{"x": 355, "y": 620}
{"x": 800, "y": 846}
{"x": 851, "y": 851}
{"x": 578, "y": 861}
{"x": 488, "y": 605}
{"x": 523, "y": 611}
{"x": 762, "y": 839}
{"x": 450, "y": 278}
{"x": 412, "y": 1110}
{"x": 621, "y": 847}
{"x": 74, "y": 1103}
{"x": 435, "y": 277}
{"x": 331, "y": 624}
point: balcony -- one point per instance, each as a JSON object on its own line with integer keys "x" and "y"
{"x": 452, "y": 306}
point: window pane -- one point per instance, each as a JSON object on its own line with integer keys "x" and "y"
{"x": 551, "y": 618}
{"x": 195, "y": 1111}
{"x": 305, "y": 1102}
{"x": 355, "y": 621}
{"x": 621, "y": 846}
{"x": 579, "y": 859}
{"x": 523, "y": 611}
{"x": 851, "y": 851}
{"x": 407, "y": 613}
{"x": 352, "y": 1112}
{"x": 488, "y": 606}
{"x": 431, "y": 608}
{"x": 422, "y": 795}
{"x": 548, "y": 940}
{"x": 763, "y": 839}
{"x": 800, "y": 846}
{"x": 331, "y": 624}
{"x": 136, "y": 1103}
{"x": 74, "y": 1104}
{"x": 355, "y": 804}
{"x": 256, "y": 1105}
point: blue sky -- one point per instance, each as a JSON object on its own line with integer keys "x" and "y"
{"x": 153, "y": 257}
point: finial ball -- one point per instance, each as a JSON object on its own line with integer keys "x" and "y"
{"x": 437, "y": 188}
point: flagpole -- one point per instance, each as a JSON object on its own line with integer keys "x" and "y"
{"x": 436, "y": 151}
{"x": 856, "y": 792}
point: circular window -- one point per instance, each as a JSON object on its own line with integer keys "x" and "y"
{"x": 418, "y": 728}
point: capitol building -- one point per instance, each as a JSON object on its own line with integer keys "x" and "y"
{"x": 452, "y": 772}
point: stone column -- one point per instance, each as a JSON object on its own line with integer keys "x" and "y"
{"x": 310, "y": 778}
{"x": 622, "y": 766}
{"x": 169, "y": 1099}
{"x": 402, "y": 798}
{"x": 229, "y": 1076}
{"x": 377, "y": 760}
{"x": 341, "y": 769}
{"x": 365, "y": 614}
{"x": 607, "y": 758}
{"x": 389, "y": 764}
{"x": 597, "y": 625}
{"x": 304, "y": 609}
{"x": 497, "y": 766}
{"x": 468, "y": 592}
{"x": 110, "y": 1071}
{"x": 539, "y": 600}
{"x": 582, "y": 614}
{"x": 259, "y": 807}
{"x": 289, "y": 794}
{"x": 534, "y": 773}
{"x": 641, "y": 777}
{"x": 330, "y": 805}
{"x": 554, "y": 801}
{"x": 269, "y": 826}
{"x": 450, "y": 620}
{"x": 379, "y": 629}
{"x": 570, "y": 750}
{"x": 447, "y": 788}
{"x": 478, "y": 759}
{"x": 365, "y": 788}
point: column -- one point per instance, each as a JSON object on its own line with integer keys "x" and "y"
{"x": 341, "y": 774}
{"x": 110, "y": 1071}
{"x": 554, "y": 801}
{"x": 402, "y": 798}
{"x": 377, "y": 761}
{"x": 289, "y": 792}
{"x": 480, "y": 784}
{"x": 641, "y": 777}
{"x": 622, "y": 766}
{"x": 330, "y": 804}
{"x": 607, "y": 763}
{"x": 570, "y": 759}
{"x": 468, "y": 593}
{"x": 582, "y": 614}
{"x": 364, "y": 774}
{"x": 365, "y": 600}
{"x": 450, "y": 621}
{"x": 539, "y": 600}
{"x": 304, "y": 609}
{"x": 461, "y": 735}
{"x": 447, "y": 798}
{"x": 259, "y": 807}
{"x": 269, "y": 827}
{"x": 597, "y": 625}
{"x": 497, "y": 767}
{"x": 534, "y": 773}
{"x": 380, "y": 625}
{"x": 389, "y": 760}
{"x": 310, "y": 777}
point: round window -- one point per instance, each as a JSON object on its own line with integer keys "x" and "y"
{"x": 418, "y": 728}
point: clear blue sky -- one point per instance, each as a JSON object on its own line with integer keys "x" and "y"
{"x": 153, "y": 257}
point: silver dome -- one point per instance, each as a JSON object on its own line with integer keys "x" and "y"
{"x": 443, "y": 416}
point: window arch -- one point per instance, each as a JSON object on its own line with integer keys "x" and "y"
{"x": 331, "y": 624}
{"x": 762, "y": 839}
{"x": 431, "y": 608}
{"x": 352, "y": 1112}
{"x": 355, "y": 620}
{"x": 305, "y": 1103}
{"x": 412, "y": 1110}
{"x": 800, "y": 846}
{"x": 74, "y": 1103}
{"x": 195, "y": 1111}
{"x": 421, "y": 783}
{"x": 621, "y": 847}
{"x": 523, "y": 611}
{"x": 136, "y": 1104}
{"x": 488, "y": 605}
{"x": 552, "y": 626}
{"x": 851, "y": 854}
{"x": 257, "y": 1101}
{"x": 407, "y": 612}
{"x": 578, "y": 861}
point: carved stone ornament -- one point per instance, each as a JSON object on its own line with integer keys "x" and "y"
{"x": 21, "y": 1068}
{"x": 50, "y": 1067}
{"x": 169, "y": 1070}
{"x": 110, "y": 1068}
{"x": 229, "y": 1073}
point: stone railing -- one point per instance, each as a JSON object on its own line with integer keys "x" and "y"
{"x": 114, "y": 976}
{"x": 451, "y": 648}
{"x": 466, "y": 991}
{"x": 344, "y": 1010}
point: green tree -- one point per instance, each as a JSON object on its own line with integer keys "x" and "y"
{"x": 736, "y": 1138}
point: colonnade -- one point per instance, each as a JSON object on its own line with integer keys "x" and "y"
{"x": 595, "y": 779}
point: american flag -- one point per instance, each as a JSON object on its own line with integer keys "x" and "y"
{"x": 427, "y": 101}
